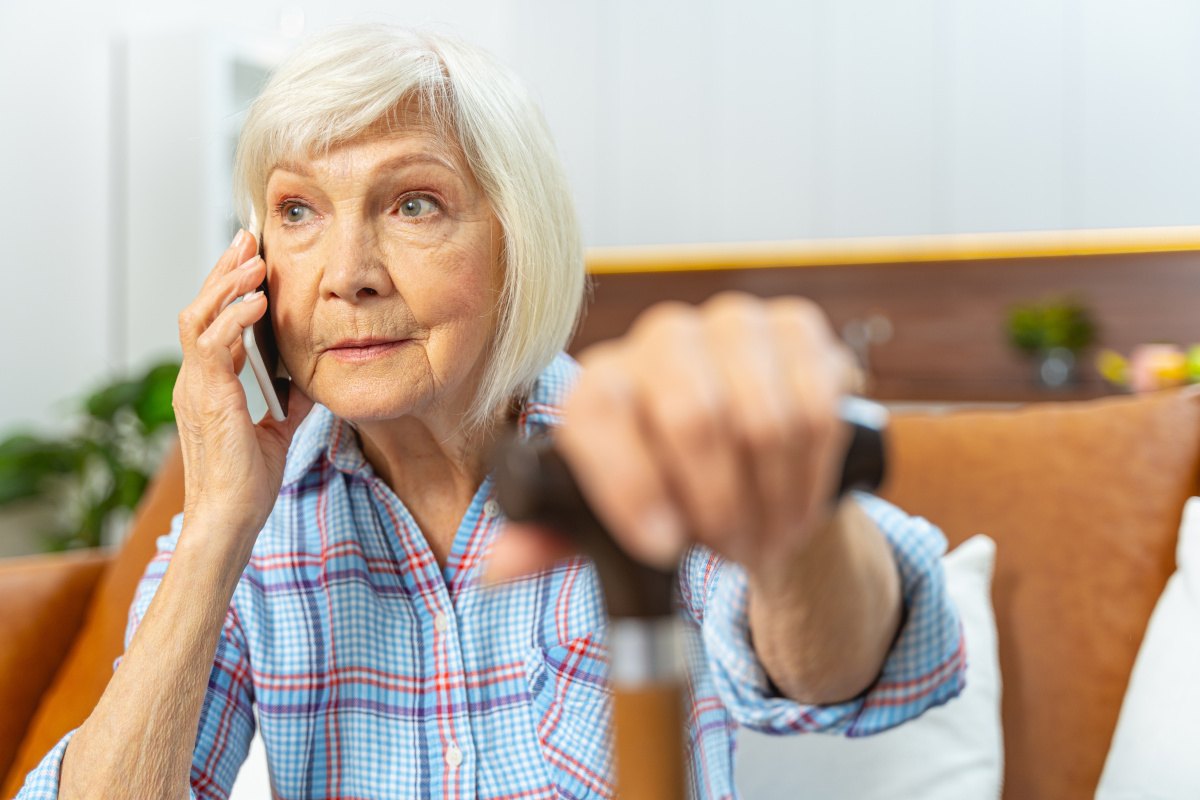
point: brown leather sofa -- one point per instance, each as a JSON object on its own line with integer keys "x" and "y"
{"x": 1083, "y": 500}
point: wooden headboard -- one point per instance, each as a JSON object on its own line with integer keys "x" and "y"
{"x": 946, "y": 297}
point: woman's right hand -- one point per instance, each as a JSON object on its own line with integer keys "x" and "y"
{"x": 232, "y": 473}
{"x": 233, "y": 467}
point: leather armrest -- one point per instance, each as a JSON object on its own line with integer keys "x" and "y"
{"x": 85, "y": 670}
{"x": 44, "y": 600}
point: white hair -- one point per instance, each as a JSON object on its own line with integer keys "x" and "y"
{"x": 337, "y": 85}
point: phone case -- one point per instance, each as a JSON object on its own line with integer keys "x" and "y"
{"x": 269, "y": 371}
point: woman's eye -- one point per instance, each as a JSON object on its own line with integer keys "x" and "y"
{"x": 417, "y": 207}
{"x": 294, "y": 213}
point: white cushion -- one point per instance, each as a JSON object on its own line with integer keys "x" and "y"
{"x": 953, "y": 752}
{"x": 1155, "y": 751}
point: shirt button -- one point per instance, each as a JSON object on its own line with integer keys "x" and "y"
{"x": 454, "y": 756}
{"x": 440, "y": 623}
{"x": 491, "y": 509}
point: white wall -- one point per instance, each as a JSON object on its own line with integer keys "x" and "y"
{"x": 53, "y": 207}
{"x": 678, "y": 120}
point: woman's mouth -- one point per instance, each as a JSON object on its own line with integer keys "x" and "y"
{"x": 354, "y": 351}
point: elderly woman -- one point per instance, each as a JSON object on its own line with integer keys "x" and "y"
{"x": 326, "y": 580}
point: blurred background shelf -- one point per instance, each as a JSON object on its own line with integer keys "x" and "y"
{"x": 934, "y": 308}
{"x": 990, "y": 392}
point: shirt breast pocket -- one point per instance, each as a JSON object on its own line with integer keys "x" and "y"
{"x": 572, "y": 705}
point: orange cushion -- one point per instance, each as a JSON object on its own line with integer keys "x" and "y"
{"x": 1084, "y": 501}
{"x": 85, "y": 672}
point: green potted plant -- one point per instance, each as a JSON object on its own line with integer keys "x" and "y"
{"x": 1053, "y": 332}
{"x": 93, "y": 476}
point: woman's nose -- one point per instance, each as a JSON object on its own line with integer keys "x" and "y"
{"x": 355, "y": 268}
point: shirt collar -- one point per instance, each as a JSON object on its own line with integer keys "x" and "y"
{"x": 324, "y": 434}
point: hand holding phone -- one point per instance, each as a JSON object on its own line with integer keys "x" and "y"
{"x": 263, "y": 354}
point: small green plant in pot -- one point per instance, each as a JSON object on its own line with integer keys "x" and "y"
{"x": 1053, "y": 332}
{"x": 94, "y": 475}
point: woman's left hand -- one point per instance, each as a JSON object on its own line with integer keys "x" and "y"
{"x": 715, "y": 424}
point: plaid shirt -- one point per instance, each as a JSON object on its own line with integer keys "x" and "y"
{"x": 377, "y": 674}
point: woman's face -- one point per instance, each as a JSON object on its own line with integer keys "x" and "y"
{"x": 383, "y": 261}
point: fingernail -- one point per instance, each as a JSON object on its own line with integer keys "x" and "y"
{"x": 246, "y": 298}
{"x": 239, "y": 238}
{"x": 663, "y": 530}
{"x": 250, "y": 263}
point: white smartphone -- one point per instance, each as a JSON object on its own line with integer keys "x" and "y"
{"x": 263, "y": 354}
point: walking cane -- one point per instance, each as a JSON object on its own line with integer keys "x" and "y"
{"x": 647, "y": 668}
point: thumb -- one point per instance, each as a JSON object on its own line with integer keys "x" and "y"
{"x": 524, "y": 548}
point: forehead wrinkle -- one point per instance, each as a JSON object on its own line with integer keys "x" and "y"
{"x": 351, "y": 164}
{"x": 294, "y": 167}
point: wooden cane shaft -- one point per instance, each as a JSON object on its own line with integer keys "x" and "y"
{"x": 649, "y": 743}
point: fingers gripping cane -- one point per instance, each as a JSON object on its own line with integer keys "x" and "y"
{"x": 645, "y": 647}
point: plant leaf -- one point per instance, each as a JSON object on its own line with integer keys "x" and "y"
{"x": 16, "y": 486}
{"x": 105, "y": 403}
{"x": 154, "y": 407}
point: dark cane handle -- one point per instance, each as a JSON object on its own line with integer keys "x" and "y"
{"x": 534, "y": 484}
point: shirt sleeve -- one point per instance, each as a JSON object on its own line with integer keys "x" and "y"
{"x": 925, "y": 668}
{"x": 226, "y": 719}
{"x": 42, "y": 781}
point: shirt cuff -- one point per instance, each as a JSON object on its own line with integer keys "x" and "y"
{"x": 42, "y": 781}
{"x": 925, "y": 668}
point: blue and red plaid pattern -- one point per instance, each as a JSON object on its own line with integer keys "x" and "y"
{"x": 374, "y": 674}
